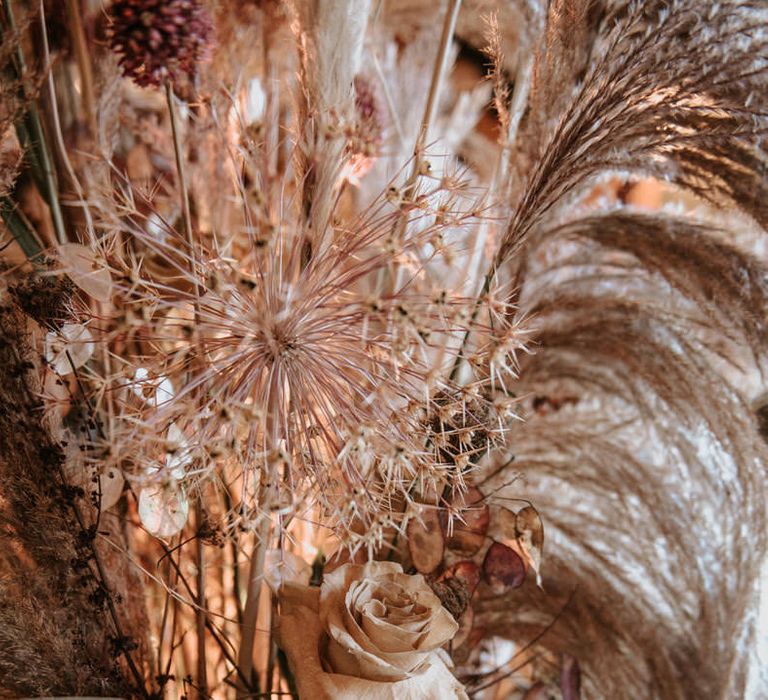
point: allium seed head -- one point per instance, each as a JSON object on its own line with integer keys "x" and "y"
{"x": 160, "y": 40}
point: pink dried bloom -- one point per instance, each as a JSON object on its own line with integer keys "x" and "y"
{"x": 160, "y": 40}
{"x": 364, "y": 143}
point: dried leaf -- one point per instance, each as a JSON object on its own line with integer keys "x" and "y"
{"x": 529, "y": 530}
{"x": 426, "y": 542}
{"x": 86, "y": 271}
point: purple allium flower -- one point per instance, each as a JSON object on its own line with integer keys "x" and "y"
{"x": 160, "y": 40}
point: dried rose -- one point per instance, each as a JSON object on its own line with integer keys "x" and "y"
{"x": 370, "y": 632}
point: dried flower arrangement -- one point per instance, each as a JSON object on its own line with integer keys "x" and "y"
{"x": 314, "y": 316}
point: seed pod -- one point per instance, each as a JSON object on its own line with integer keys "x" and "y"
{"x": 455, "y": 587}
{"x": 469, "y": 536}
{"x": 426, "y": 542}
{"x": 503, "y": 568}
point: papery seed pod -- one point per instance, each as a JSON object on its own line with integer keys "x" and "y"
{"x": 503, "y": 568}
{"x": 160, "y": 40}
{"x": 469, "y": 536}
{"x": 455, "y": 587}
{"x": 426, "y": 542}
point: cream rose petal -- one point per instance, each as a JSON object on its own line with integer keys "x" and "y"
{"x": 300, "y": 632}
{"x": 387, "y": 632}
{"x": 359, "y": 644}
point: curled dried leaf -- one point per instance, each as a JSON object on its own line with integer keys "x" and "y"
{"x": 529, "y": 530}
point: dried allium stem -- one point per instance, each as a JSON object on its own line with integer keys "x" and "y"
{"x": 251, "y": 612}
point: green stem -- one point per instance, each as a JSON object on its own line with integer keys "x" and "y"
{"x": 21, "y": 229}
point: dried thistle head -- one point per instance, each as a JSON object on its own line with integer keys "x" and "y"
{"x": 160, "y": 40}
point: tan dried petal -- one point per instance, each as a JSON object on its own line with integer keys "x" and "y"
{"x": 282, "y": 567}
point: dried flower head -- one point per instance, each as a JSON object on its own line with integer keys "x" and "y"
{"x": 160, "y": 40}
{"x": 366, "y": 139}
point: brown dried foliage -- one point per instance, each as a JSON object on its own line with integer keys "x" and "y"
{"x": 55, "y": 636}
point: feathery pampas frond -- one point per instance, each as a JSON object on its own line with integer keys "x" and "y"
{"x": 641, "y": 439}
